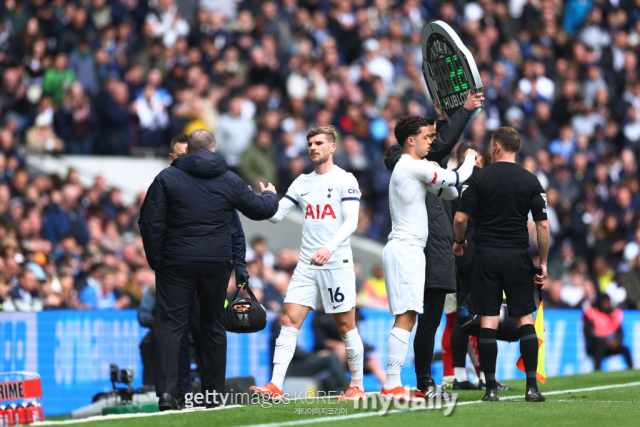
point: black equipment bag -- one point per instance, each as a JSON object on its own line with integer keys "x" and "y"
{"x": 470, "y": 323}
{"x": 244, "y": 315}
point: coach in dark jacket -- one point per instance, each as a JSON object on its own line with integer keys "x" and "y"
{"x": 441, "y": 273}
{"x": 185, "y": 223}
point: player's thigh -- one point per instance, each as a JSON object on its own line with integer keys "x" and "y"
{"x": 518, "y": 284}
{"x": 302, "y": 289}
{"x": 486, "y": 292}
{"x": 404, "y": 272}
{"x": 337, "y": 287}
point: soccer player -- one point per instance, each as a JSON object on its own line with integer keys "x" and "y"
{"x": 403, "y": 256}
{"x": 330, "y": 200}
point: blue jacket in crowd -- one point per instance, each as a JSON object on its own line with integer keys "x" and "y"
{"x": 188, "y": 213}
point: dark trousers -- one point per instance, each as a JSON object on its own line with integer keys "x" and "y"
{"x": 428, "y": 323}
{"x": 175, "y": 288}
{"x": 597, "y": 348}
{"x": 148, "y": 356}
{"x": 184, "y": 359}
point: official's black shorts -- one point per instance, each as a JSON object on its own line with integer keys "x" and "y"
{"x": 496, "y": 269}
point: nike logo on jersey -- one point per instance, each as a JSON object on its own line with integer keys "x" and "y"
{"x": 302, "y": 195}
{"x": 336, "y": 306}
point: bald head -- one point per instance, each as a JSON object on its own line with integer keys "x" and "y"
{"x": 200, "y": 140}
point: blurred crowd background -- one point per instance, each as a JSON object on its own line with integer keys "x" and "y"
{"x": 121, "y": 77}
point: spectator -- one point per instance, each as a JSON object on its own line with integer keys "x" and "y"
{"x": 258, "y": 162}
{"x": 116, "y": 122}
{"x": 103, "y": 296}
{"x": 165, "y": 21}
{"x": 373, "y": 293}
{"x": 6, "y": 303}
{"x": 153, "y": 117}
{"x": 58, "y": 79}
{"x": 82, "y": 65}
{"x": 603, "y": 332}
{"x": 42, "y": 137}
{"x": 234, "y": 133}
{"x": 552, "y": 296}
{"x": 66, "y": 217}
{"x": 25, "y": 297}
{"x": 75, "y": 121}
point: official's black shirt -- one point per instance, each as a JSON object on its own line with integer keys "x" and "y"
{"x": 500, "y": 197}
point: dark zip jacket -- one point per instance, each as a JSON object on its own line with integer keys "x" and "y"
{"x": 188, "y": 213}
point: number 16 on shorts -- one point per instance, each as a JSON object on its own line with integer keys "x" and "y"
{"x": 337, "y": 296}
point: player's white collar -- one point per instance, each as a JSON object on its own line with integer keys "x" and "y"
{"x": 326, "y": 173}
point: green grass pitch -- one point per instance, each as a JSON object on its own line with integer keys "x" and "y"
{"x": 616, "y": 405}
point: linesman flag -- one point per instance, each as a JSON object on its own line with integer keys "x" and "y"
{"x": 538, "y": 324}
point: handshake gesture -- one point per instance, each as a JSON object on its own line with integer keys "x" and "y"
{"x": 269, "y": 187}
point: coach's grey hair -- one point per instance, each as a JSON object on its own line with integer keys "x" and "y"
{"x": 200, "y": 140}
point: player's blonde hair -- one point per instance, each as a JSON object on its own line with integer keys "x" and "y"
{"x": 330, "y": 131}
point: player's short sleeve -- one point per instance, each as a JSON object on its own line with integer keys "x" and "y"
{"x": 349, "y": 188}
{"x": 538, "y": 201}
{"x": 292, "y": 193}
{"x": 469, "y": 196}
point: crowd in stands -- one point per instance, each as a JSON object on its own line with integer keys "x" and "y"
{"x": 120, "y": 77}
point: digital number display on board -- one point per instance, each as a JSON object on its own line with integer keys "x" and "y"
{"x": 448, "y": 67}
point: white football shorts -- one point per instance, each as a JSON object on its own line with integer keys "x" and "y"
{"x": 336, "y": 287}
{"x": 404, "y": 270}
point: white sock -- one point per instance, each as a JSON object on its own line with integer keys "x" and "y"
{"x": 285, "y": 347}
{"x": 397, "y": 353}
{"x": 482, "y": 377}
{"x": 355, "y": 356}
{"x": 461, "y": 374}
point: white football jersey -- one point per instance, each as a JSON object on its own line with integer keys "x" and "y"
{"x": 320, "y": 197}
{"x": 410, "y": 181}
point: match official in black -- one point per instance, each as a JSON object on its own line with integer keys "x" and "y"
{"x": 500, "y": 197}
{"x": 185, "y": 223}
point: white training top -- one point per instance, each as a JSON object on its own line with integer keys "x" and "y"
{"x": 330, "y": 203}
{"x": 410, "y": 181}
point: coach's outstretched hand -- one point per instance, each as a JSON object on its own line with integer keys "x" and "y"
{"x": 269, "y": 187}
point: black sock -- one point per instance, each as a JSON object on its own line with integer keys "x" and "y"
{"x": 529, "y": 352}
{"x": 488, "y": 352}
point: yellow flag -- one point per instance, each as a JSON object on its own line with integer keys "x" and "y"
{"x": 541, "y": 375}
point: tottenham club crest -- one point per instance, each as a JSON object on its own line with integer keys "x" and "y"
{"x": 329, "y": 190}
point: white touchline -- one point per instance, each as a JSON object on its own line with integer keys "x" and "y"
{"x": 122, "y": 416}
{"x": 312, "y": 420}
{"x": 395, "y": 411}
